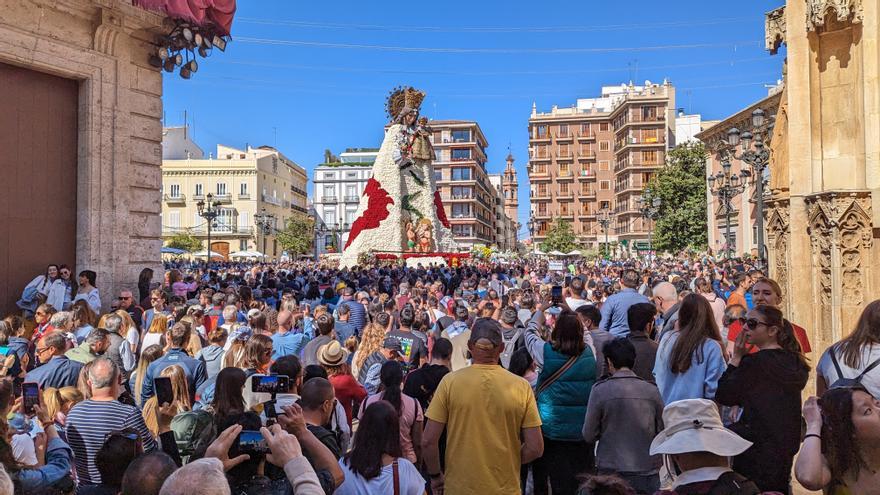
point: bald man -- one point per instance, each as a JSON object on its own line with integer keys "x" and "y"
{"x": 666, "y": 302}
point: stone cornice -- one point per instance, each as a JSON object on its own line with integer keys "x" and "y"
{"x": 843, "y": 10}
{"x": 183, "y": 173}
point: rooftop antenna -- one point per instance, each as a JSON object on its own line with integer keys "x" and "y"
{"x": 184, "y": 124}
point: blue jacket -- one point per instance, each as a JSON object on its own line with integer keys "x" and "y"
{"x": 614, "y": 311}
{"x": 58, "y": 460}
{"x": 195, "y": 370}
{"x": 563, "y": 405}
{"x": 288, "y": 344}
{"x": 58, "y": 372}
{"x": 700, "y": 381}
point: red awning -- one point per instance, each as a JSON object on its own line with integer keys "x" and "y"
{"x": 218, "y": 13}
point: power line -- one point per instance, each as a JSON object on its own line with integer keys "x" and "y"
{"x": 417, "y": 49}
{"x": 489, "y": 29}
{"x": 487, "y": 73}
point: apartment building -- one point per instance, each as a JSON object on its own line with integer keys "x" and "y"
{"x": 598, "y": 155}
{"x": 338, "y": 186}
{"x": 460, "y": 173}
{"x": 244, "y": 182}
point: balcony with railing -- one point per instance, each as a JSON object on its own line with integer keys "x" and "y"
{"x": 585, "y": 175}
{"x": 175, "y": 199}
{"x": 244, "y": 195}
{"x": 542, "y": 214}
{"x": 202, "y": 231}
{"x": 629, "y": 163}
{"x": 329, "y": 200}
{"x": 223, "y": 199}
{"x": 352, "y": 199}
{"x": 198, "y": 197}
{"x": 638, "y": 142}
{"x": 565, "y": 195}
{"x": 540, "y": 195}
{"x": 586, "y": 136}
{"x": 628, "y": 187}
{"x": 272, "y": 200}
{"x": 564, "y": 136}
{"x": 565, "y": 155}
{"x": 637, "y": 118}
{"x": 586, "y": 194}
{"x": 564, "y": 175}
{"x": 569, "y": 214}
{"x": 589, "y": 155}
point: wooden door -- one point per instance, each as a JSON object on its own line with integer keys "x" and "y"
{"x": 38, "y": 167}
{"x": 221, "y": 248}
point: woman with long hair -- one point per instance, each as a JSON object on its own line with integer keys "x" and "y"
{"x": 156, "y": 332}
{"x": 36, "y": 291}
{"x": 854, "y": 355}
{"x": 409, "y": 411}
{"x": 333, "y": 358}
{"x": 234, "y": 354}
{"x": 371, "y": 341}
{"x": 61, "y": 291}
{"x": 145, "y": 279}
{"x": 257, "y": 355}
{"x": 227, "y": 400}
{"x": 87, "y": 291}
{"x": 376, "y": 462}
{"x": 84, "y": 320}
{"x": 841, "y": 449}
{"x": 180, "y": 392}
{"x": 59, "y": 402}
{"x": 128, "y": 330}
{"x": 690, "y": 359}
{"x": 767, "y": 292}
{"x": 568, "y": 372}
{"x": 136, "y": 382}
{"x": 767, "y": 386}
{"x": 704, "y": 288}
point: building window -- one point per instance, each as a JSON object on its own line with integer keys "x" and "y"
{"x": 563, "y": 189}
{"x": 604, "y": 165}
{"x": 351, "y": 175}
{"x": 438, "y": 155}
{"x": 461, "y": 136}
{"x": 541, "y": 131}
{"x": 459, "y": 192}
{"x": 351, "y": 190}
{"x": 649, "y": 157}
{"x": 563, "y": 130}
{"x": 243, "y": 219}
{"x": 329, "y": 191}
{"x": 349, "y": 217}
{"x": 542, "y": 189}
{"x": 585, "y": 130}
{"x": 564, "y": 151}
{"x": 461, "y": 211}
{"x": 242, "y": 245}
{"x": 604, "y": 145}
{"x": 329, "y": 175}
{"x": 564, "y": 169}
{"x": 438, "y": 175}
{"x": 200, "y": 191}
{"x": 540, "y": 168}
{"x": 461, "y": 154}
{"x": 243, "y": 189}
{"x": 175, "y": 190}
{"x": 604, "y": 185}
{"x": 603, "y": 126}
{"x": 459, "y": 173}
{"x": 174, "y": 219}
{"x": 221, "y": 189}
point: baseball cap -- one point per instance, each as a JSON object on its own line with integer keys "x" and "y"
{"x": 392, "y": 344}
{"x": 253, "y": 313}
{"x": 488, "y": 331}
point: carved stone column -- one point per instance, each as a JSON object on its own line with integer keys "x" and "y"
{"x": 840, "y": 229}
{"x": 778, "y": 219}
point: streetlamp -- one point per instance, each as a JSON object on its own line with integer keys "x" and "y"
{"x": 756, "y": 153}
{"x": 209, "y": 211}
{"x": 320, "y": 230}
{"x": 531, "y": 225}
{"x": 726, "y": 186}
{"x": 605, "y": 217}
{"x": 264, "y": 222}
{"x": 650, "y": 209}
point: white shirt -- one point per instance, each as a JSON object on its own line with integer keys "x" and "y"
{"x": 700, "y": 474}
{"x": 411, "y": 482}
{"x": 574, "y": 304}
{"x": 869, "y": 354}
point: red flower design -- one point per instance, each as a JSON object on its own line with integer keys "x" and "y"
{"x": 441, "y": 213}
{"x": 377, "y": 210}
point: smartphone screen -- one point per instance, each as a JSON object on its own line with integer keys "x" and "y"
{"x": 556, "y": 294}
{"x": 270, "y": 384}
{"x": 252, "y": 442}
{"x": 567, "y": 280}
{"x": 30, "y": 393}
{"x": 164, "y": 392}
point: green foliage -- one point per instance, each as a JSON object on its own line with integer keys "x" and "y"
{"x": 184, "y": 241}
{"x": 560, "y": 237}
{"x": 681, "y": 186}
{"x": 590, "y": 255}
{"x": 297, "y": 236}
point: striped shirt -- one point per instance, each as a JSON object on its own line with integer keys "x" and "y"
{"x": 88, "y": 425}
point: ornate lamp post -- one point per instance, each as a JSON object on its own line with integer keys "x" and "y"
{"x": 531, "y": 225}
{"x": 209, "y": 210}
{"x": 756, "y": 153}
{"x": 264, "y": 223}
{"x": 649, "y": 208}
{"x": 726, "y": 186}
{"x": 320, "y": 230}
{"x": 604, "y": 219}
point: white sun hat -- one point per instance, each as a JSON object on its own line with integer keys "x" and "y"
{"x": 694, "y": 425}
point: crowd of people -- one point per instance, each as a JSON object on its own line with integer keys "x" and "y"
{"x": 678, "y": 376}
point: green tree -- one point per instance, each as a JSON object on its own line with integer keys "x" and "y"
{"x": 560, "y": 237}
{"x": 185, "y": 241}
{"x": 681, "y": 187}
{"x": 297, "y": 236}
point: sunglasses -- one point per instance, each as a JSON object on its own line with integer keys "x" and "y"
{"x": 124, "y": 298}
{"x": 751, "y": 322}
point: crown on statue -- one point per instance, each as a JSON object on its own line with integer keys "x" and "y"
{"x": 403, "y": 97}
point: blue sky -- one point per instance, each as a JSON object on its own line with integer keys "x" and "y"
{"x": 306, "y": 76}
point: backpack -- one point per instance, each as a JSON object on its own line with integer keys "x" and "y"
{"x": 509, "y": 346}
{"x": 193, "y": 432}
{"x": 842, "y": 382}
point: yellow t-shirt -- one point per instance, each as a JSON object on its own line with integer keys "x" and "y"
{"x": 484, "y": 407}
